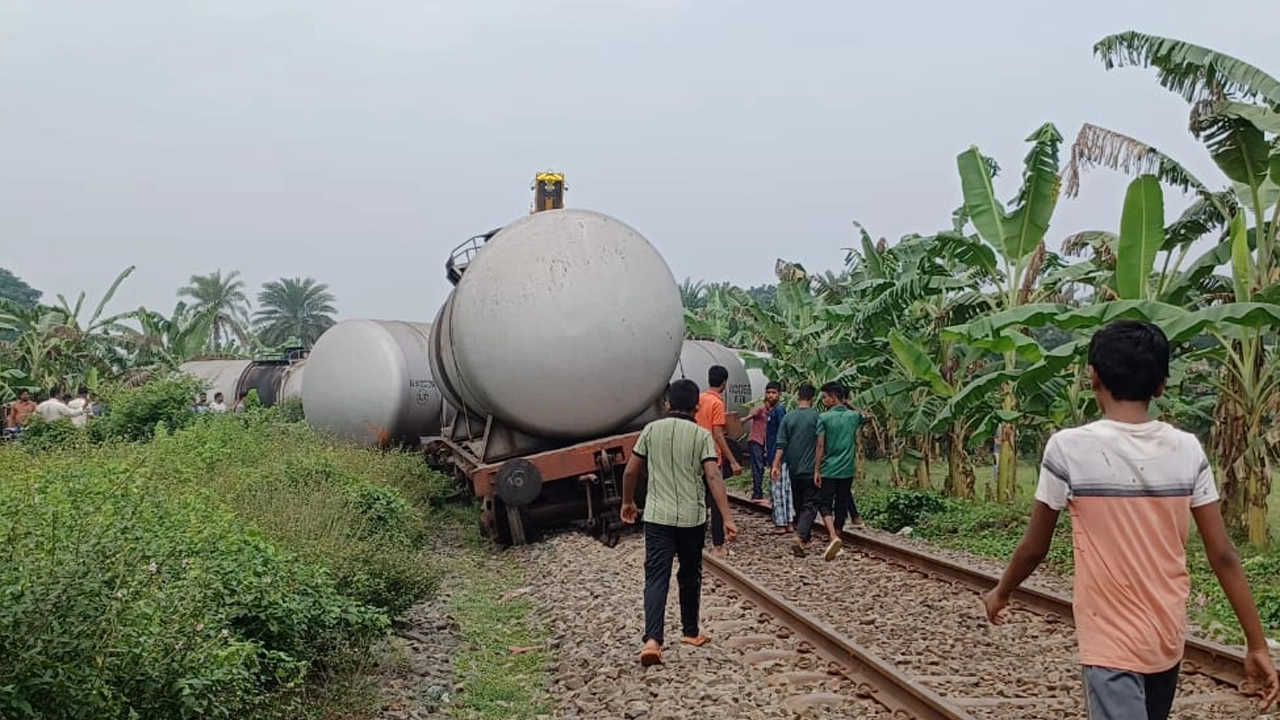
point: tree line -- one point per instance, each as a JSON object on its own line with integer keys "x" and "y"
{"x": 970, "y": 339}
{"x": 68, "y": 345}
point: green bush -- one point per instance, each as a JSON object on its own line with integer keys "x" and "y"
{"x": 902, "y": 508}
{"x": 327, "y": 503}
{"x": 135, "y": 413}
{"x": 218, "y": 570}
{"x": 982, "y": 528}
{"x": 120, "y": 598}
{"x": 1263, "y": 571}
{"x": 291, "y": 411}
{"x": 39, "y": 437}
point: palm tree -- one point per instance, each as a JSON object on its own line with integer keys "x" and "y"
{"x": 693, "y": 293}
{"x": 293, "y": 308}
{"x": 223, "y": 301}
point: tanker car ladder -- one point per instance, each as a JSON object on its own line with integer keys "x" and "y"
{"x": 528, "y": 489}
{"x": 462, "y": 255}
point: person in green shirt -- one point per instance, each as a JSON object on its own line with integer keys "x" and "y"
{"x": 836, "y": 452}
{"x": 797, "y": 439}
{"x": 678, "y": 454}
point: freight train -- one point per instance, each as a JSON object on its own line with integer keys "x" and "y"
{"x": 276, "y": 379}
{"x": 530, "y": 387}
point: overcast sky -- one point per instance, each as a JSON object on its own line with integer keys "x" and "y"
{"x": 358, "y": 141}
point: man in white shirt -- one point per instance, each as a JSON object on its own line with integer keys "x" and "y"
{"x": 55, "y": 409}
{"x": 81, "y": 403}
{"x": 219, "y": 405}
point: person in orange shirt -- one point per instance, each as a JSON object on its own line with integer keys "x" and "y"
{"x": 711, "y": 416}
{"x": 1130, "y": 483}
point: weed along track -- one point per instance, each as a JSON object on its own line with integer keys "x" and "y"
{"x": 932, "y": 628}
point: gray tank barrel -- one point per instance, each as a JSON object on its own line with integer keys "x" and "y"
{"x": 370, "y": 381}
{"x": 567, "y": 324}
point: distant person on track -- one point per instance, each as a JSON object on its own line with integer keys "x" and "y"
{"x": 793, "y": 456}
{"x": 837, "y": 450}
{"x": 833, "y": 461}
{"x": 765, "y": 419}
{"x": 680, "y": 457}
{"x": 1130, "y": 483}
{"x": 711, "y": 417}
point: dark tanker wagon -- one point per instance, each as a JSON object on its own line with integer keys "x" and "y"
{"x": 276, "y": 379}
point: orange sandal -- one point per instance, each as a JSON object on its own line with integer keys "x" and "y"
{"x": 651, "y": 656}
{"x": 696, "y": 641}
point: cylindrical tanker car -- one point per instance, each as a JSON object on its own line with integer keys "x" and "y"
{"x": 275, "y": 380}
{"x": 555, "y": 345}
{"x": 369, "y": 381}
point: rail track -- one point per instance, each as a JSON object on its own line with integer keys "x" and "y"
{"x": 1220, "y": 662}
{"x": 876, "y": 678}
{"x": 919, "y": 613}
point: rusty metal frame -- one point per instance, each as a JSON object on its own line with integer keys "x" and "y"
{"x": 881, "y": 681}
{"x": 1205, "y": 657}
{"x": 564, "y": 463}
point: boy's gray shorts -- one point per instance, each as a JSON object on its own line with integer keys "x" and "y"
{"x": 1126, "y": 695}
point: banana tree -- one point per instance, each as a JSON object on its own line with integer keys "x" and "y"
{"x": 716, "y": 318}
{"x": 804, "y": 332}
{"x": 1017, "y": 236}
{"x": 928, "y": 386}
{"x": 165, "y": 342}
{"x": 95, "y": 342}
{"x": 1234, "y": 111}
{"x": 53, "y": 347}
{"x": 12, "y": 382}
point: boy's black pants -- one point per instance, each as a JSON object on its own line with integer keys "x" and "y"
{"x": 717, "y": 520}
{"x": 662, "y": 544}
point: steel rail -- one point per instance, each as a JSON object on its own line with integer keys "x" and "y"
{"x": 1205, "y": 657}
{"x": 877, "y": 678}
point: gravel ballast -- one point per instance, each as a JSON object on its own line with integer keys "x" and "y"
{"x": 589, "y": 598}
{"x": 1027, "y": 668}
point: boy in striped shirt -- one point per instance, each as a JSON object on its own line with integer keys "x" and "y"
{"x": 1130, "y": 483}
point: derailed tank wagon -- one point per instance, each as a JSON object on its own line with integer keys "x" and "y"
{"x": 276, "y": 380}
{"x": 370, "y": 382}
{"x": 555, "y": 347}
{"x": 532, "y": 383}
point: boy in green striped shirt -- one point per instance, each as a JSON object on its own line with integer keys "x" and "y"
{"x": 678, "y": 454}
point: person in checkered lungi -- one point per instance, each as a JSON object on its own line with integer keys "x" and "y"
{"x": 793, "y": 457}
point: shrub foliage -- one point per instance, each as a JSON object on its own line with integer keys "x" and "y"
{"x": 211, "y": 572}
